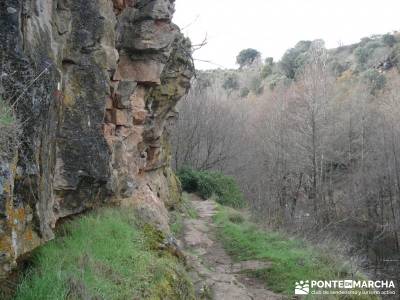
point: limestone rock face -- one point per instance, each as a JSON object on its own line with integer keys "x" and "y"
{"x": 96, "y": 83}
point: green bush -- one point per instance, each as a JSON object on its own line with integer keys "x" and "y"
{"x": 375, "y": 80}
{"x": 269, "y": 61}
{"x": 247, "y": 57}
{"x": 338, "y": 68}
{"x": 389, "y": 39}
{"x": 266, "y": 71}
{"x": 231, "y": 82}
{"x": 365, "y": 51}
{"x": 244, "y": 92}
{"x": 294, "y": 59}
{"x": 256, "y": 85}
{"x": 235, "y": 217}
{"x": 188, "y": 179}
{"x": 208, "y": 184}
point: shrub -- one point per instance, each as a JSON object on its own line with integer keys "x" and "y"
{"x": 375, "y": 80}
{"x": 365, "y": 51}
{"x": 266, "y": 71}
{"x": 365, "y": 40}
{"x": 244, "y": 92}
{"x": 247, "y": 57}
{"x": 338, "y": 68}
{"x": 256, "y": 85}
{"x": 236, "y": 217}
{"x": 189, "y": 179}
{"x": 231, "y": 82}
{"x": 362, "y": 55}
{"x": 389, "y": 39}
{"x": 294, "y": 58}
{"x": 396, "y": 56}
{"x": 276, "y": 79}
{"x": 269, "y": 61}
{"x": 207, "y": 184}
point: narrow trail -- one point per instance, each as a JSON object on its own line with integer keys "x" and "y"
{"x": 214, "y": 273}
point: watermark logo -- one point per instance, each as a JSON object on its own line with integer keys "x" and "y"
{"x": 302, "y": 288}
{"x": 348, "y": 284}
{"x": 344, "y": 287}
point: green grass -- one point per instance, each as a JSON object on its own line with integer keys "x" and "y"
{"x": 292, "y": 259}
{"x": 207, "y": 184}
{"x": 184, "y": 210}
{"x": 104, "y": 255}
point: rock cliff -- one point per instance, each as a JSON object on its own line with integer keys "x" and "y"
{"x": 94, "y": 84}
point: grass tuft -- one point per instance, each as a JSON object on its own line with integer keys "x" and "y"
{"x": 104, "y": 255}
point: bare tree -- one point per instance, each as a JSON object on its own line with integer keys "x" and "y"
{"x": 205, "y": 137}
{"x": 314, "y": 155}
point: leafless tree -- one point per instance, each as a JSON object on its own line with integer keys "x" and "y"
{"x": 315, "y": 155}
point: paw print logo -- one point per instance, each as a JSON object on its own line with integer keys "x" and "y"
{"x": 302, "y": 288}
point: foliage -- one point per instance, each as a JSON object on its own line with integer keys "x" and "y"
{"x": 104, "y": 255}
{"x": 396, "y": 56}
{"x": 376, "y": 80}
{"x": 277, "y": 78}
{"x": 362, "y": 55}
{"x": 231, "y": 82}
{"x": 292, "y": 259}
{"x": 269, "y": 61}
{"x": 203, "y": 81}
{"x": 389, "y": 39}
{"x": 236, "y": 217}
{"x": 256, "y": 85}
{"x": 294, "y": 59}
{"x": 247, "y": 57}
{"x": 338, "y": 68}
{"x": 365, "y": 40}
{"x": 208, "y": 184}
{"x": 244, "y": 92}
{"x": 266, "y": 71}
{"x": 364, "y": 52}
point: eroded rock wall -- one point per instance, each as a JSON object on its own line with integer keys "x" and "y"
{"x": 96, "y": 83}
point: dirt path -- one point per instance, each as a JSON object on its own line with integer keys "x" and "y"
{"x": 214, "y": 273}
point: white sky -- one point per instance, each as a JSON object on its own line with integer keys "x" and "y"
{"x": 273, "y": 26}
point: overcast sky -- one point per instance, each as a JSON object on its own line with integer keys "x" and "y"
{"x": 273, "y": 26}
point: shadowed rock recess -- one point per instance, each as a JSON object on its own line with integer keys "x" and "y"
{"x": 94, "y": 84}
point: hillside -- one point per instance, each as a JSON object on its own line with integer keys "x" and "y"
{"x": 313, "y": 141}
{"x": 372, "y": 56}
